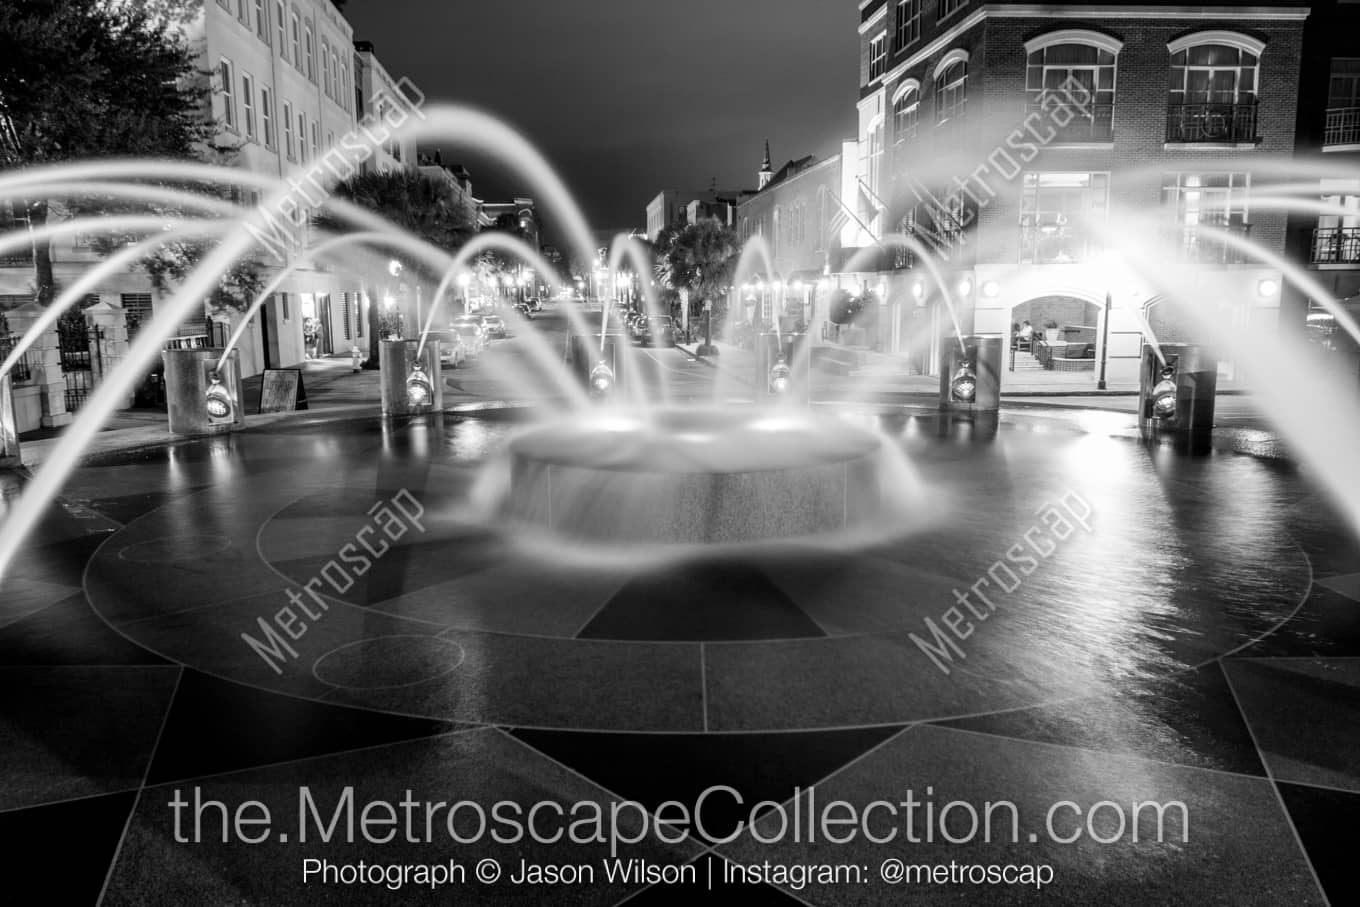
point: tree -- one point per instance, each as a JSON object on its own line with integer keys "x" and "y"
{"x": 697, "y": 261}
{"x": 82, "y": 79}
{"x": 412, "y": 202}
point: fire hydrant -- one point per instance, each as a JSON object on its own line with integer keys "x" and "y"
{"x": 356, "y": 358}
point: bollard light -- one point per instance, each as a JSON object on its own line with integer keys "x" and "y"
{"x": 419, "y": 391}
{"x": 781, "y": 377}
{"x": 217, "y": 401}
{"x": 963, "y": 386}
{"x": 601, "y": 379}
{"x": 1163, "y": 398}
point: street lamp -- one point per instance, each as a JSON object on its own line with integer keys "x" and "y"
{"x": 1104, "y": 340}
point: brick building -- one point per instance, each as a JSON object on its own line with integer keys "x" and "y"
{"x": 1046, "y": 154}
{"x": 1327, "y": 143}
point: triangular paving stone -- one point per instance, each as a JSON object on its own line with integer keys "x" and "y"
{"x": 1302, "y": 712}
{"x": 68, "y": 732}
{"x": 685, "y": 894}
{"x": 1348, "y": 584}
{"x": 65, "y": 848}
{"x": 69, "y": 633}
{"x": 217, "y": 726}
{"x": 1325, "y": 821}
{"x": 1188, "y": 719}
{"x": 702, "y": 602}
{"x": 654, "y": 768}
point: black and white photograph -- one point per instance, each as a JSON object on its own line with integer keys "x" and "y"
{"x": 833, "y": 453}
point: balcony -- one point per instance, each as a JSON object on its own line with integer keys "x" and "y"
{"x": 1089, "y": 124}
{"x": 1191, "y": 243}
{"x": 1342, "y": 127}
{"x": 1211, "y": 123}
{"x": 1335, "y": 246}
{"x": 1047, "y": 243}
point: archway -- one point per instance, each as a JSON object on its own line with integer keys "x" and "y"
{"x": 1061, "y": 345}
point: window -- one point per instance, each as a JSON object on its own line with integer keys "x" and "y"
{"x": 878, "y": 55}
{"x": 335, "y": 76}
{"x": 1076, "y": 80}
{"x": 137, "y": 308}
{"x": 1337, "y": 237}
{"x": 325, "y": 66}
{"x": 1343, "y": 103}
{"x": 330, "y": 139}
{"x": 262, "y": 21}
{"x": 1054, "y": 211}
{"x": 344, "y": 314}
{"x": 345, "y": 93}
{"x": 908, "y": 23}
{"x": 316, "y": 138}
{"x": 302, "y": 136}
{"x": 906, "y": 112}
{"x": 243, "y": 11}
{"x": 1213, "y": 90}
{"x": 948, "y": 8}
{"x": 873, "y": 162}
{"x": 296, "y": 31}
{"x": 951, "y": 89}
{"x": 288, "y": 131}
{"x": 283, "y": 304}
{"x": 280, "y": 29}
{"x": 1217, "y": 200}
{"x": 267, "y": 116}
{"x": 307, "y": 49}
{"x": 248, "y": 103}
{"x": 225, "y": 76}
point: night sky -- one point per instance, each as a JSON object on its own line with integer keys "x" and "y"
{"x": 627, "y": 97}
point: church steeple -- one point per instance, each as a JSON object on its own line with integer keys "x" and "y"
{"x": 766, "y": 168}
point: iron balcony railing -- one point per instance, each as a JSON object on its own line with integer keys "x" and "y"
{"x": 1342, "y": 126}
{"x": 1211, "y": 122}
{"x": 1083, "y": 123}
{"x": 1335, "y": 245}
{"x": 1194, "y": 243}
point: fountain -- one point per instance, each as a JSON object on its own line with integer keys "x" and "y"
{"x": 612, "y": 476}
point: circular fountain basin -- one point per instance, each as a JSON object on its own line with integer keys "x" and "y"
{"x": 697, "y": 476}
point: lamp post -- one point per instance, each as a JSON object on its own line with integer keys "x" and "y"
{"x": 1104, "y": 341}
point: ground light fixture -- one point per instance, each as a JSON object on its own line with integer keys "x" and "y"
{"x": 419, "y": 391}
{"x": 1164, "y": 394}
{"x": 963, "y": 386}
{"x": 217, "y": 401}
{"x": 780, "y": 377}
{"x": 601, "y": 379}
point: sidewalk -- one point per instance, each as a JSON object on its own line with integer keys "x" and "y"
{"x": 334, "y": 390}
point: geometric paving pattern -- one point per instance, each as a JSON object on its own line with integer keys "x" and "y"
{"x": 1213, "y": 661}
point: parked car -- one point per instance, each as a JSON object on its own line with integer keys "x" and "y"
{"x": 452, "y": 348}
{"x": 657, "y": 331}
{"x": 494, "y": 325}
{"x": 526, "y": 311}
{"x": 470, "y": 329}
{"x": 535, "y": 304}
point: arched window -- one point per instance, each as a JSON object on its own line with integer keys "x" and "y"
{"x": 1213, "y": 91}
{"x": 325, "y": 57}
{"x": 1070, "y": 80}
{"x": 295, "y": 31}
{"x": 951, "y": 87}
{"x": 309, "y": 51}
{"x": 906, "y": 111}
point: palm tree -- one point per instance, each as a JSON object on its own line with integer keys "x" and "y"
{"x": 413, "y": 202}
{"x": 697, "y": 260}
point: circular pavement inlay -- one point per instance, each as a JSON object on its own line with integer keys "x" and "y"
{"x": 173, "y": 548}
{"x": 388, "y": 662}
